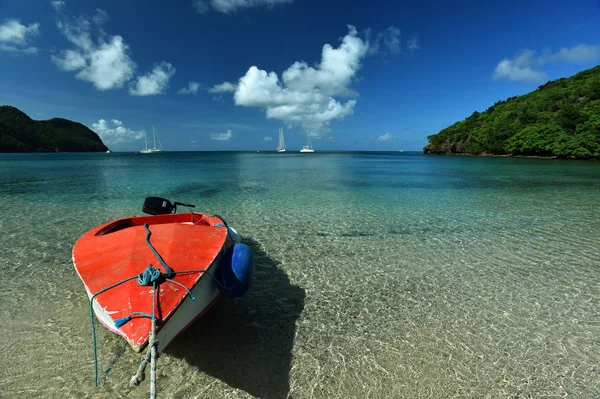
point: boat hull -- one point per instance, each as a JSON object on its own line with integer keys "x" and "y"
{"x": 150, "y": 151}
{"x": 117, "y": 251}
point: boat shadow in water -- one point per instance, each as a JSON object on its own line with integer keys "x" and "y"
{"x": 247, "y": 342}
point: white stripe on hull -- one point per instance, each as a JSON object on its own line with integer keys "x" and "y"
{"x": 205, "y": 293}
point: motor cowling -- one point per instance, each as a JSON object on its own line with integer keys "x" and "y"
{"x": 158, "y": 206}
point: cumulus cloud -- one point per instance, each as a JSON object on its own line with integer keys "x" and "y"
{"x": 268, "y": 138}
{"x": 385, "y": 137}
{"x": 225, "y": 87}
{"x": 154, "y": 82}
{"x": 508, "y": 69}
{"x": 105, "y": 63}
{"x": 15, "y": 37}
{"x": 231, "y": 6}
{"x": 191, "y": 88}
{"x": 576, "y": 55}
{"x": 222, "y": 136}
{"x": 305, "y": 95}
{"x": 525, "y": 67}
{"x": 114, "y": 132}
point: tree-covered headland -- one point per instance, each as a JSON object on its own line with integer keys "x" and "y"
{"x": 561, "y": 118}
{"x": 20, "y": 133}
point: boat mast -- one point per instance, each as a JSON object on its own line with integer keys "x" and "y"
{"x": 154, "y": 136}
{"x": 159, "y": 143}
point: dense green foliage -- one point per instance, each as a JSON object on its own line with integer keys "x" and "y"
{"x": 561, "y": 118}
{"x": 19, "y": 133}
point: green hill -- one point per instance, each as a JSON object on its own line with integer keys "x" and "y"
{"x": 561, "y": 118}
{"x": 20, "y": 133}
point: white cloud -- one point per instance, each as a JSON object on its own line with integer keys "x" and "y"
{"x": 391, "y": 39}
{"x": 385, "y": 137}
{"x": 230, "y": 6}
{"x": 105, "y": 61}
{"x": 191, "y": 88}
{"x": 305, "y": 95}
{"x": 70, "y": 60}
{"x": 578, "y": 54}
{"x": 57, "y": 4}
{"x": 154, "y": 82}
{"x": 106, "y": 64}
{"x": 222, "y": 136}
{"x": 15, "y": 37}
{"x": 114, "y": 132}
{"x": 509, "y": 69}
{"x": 525, "y": 66}
{"x": 225, "y": 87}
{"x": 268, "y": 138}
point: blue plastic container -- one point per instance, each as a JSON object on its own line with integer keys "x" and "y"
{"x": 236, "y": 271}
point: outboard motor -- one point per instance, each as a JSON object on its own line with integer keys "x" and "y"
{"x": 161, "y": 206}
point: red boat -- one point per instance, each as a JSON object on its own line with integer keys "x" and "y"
{"x": 192, "y": 257}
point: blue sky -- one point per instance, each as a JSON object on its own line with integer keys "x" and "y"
{"x": 227, "y": 74}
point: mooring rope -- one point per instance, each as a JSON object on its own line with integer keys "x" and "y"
{"x": 154, "y": 277}
{"x": 94, "y": 326}
{"x": 140, "y": 375}
{"x": 153, "y": 348}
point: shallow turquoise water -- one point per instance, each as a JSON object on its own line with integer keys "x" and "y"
{"x": 379, "y": 275}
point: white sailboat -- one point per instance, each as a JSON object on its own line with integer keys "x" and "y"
{"x": 281, "y": 147}
{"x": 308, "y": 146}
{"x": 147, "y": 150}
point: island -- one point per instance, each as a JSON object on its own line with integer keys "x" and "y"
{"x": 20, "y": 133}
{"x": 560, "y": 119}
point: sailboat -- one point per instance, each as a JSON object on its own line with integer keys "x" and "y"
{"x": 147, "y": 150}
{"x": 308, "y": 147}
{"x": 281, "y": 147}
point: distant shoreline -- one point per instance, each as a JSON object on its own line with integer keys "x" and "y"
{"x": 488, "y": 155}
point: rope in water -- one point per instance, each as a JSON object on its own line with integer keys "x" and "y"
{"x": 94, "y": 326}
{"x": 153, "y": 348}
{"x": 140, "y": 374}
